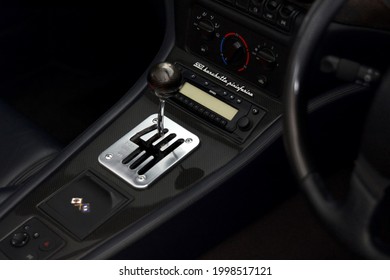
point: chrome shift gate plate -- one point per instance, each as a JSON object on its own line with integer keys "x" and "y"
{"x": 141, "y": 156}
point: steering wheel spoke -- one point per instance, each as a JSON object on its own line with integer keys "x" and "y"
{"x": 353, "y": 219}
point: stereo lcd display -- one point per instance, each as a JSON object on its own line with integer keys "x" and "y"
{"x": 208, "y": 101}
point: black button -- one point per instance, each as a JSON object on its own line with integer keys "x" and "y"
{"x": 255, "y": 6}
{"x": 223, "y": 122}
{"x": 286, "y": 11}
{"x": 269, "y": 16}
{"x": 20, "y": 239}
{"x": 216, "y": 89}
{"x": 231, "y": 97}
{"x": 244, "y": 123}
{"x": 254, "y": 9}
{"x": 270, "y": 11}
{"x": 284, "y": 23}
{"x": 272, "y": 5}
{"x": 285, "y": 17}
{"x": 204, "y": 48}
{"x": 239, "y": 101}
{"x": 262, "y": 80}
{"x": 36, "y": 235}
{"x": 255, "y": 111}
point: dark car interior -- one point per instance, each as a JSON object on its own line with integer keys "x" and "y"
{"x": 218, "y": 129}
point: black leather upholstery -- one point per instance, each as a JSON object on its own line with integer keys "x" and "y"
{"x": 24, "y": 149}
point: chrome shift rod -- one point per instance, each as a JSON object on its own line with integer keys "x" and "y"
{"x": 165, "y": 80}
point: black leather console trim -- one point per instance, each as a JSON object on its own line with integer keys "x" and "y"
{"x": 25, "y": 148}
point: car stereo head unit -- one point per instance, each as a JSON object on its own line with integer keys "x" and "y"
{"x": 217, "y": 106}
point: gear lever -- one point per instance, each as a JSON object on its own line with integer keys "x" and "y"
{"x": 165, "y": 80}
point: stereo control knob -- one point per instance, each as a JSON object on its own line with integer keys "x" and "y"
{"x": 244, "y": 123}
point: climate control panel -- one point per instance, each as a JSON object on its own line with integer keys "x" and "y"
{"x": 237, "y": 49}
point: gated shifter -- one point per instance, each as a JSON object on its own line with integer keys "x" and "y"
{"x": 165, "y": 80}
{"x": 158, "y": 143}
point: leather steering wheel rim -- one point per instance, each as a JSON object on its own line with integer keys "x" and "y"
{"x": 351, "y": 220}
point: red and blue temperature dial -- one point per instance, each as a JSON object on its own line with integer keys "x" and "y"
{"x": 234, "y": 51}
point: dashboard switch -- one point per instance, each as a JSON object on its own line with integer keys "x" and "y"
{"x": 272, "y": 5}
{"x": 262, "y": 80}
{"x": 287, "y": 11}
{"x": 47, "y": 245}
{"x": 256, "y": 7}
{"x": 37, "y": 242}
{"x": 285, "y": 17}
{"x": 270, "y": 11}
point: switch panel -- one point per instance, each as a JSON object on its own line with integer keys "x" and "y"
{"x": 31, "y": 241}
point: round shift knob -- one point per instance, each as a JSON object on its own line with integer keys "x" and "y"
{"x": 165, "y": 79}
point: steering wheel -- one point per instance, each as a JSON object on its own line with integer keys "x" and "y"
{"x": 351, "y": 220}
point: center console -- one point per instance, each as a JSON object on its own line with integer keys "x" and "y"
{"x": 125, "y": 175}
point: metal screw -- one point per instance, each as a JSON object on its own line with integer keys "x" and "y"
{"x": 155, "y": 120}
{"x": 189, "y": 140}
{"x": 109, "y": 156}
{"x": 141, "y": 178}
